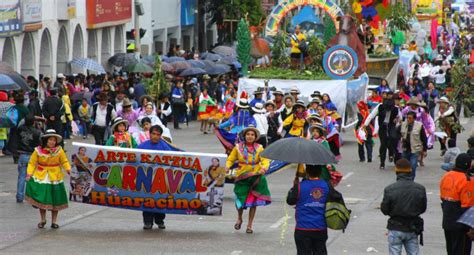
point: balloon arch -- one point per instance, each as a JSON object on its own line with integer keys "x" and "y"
{"x": 280, "y": 11}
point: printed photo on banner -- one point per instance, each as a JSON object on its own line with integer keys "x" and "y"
{"x": 155, "y": 181}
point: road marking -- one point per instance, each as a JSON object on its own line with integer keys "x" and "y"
{"x": 235, "y": 252}
{"x": 280, "y": 221}
{"x": 80, "y": 216}
{"x": 345, "y": 177}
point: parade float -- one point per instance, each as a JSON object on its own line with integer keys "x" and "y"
{"x": 335, "y": 61}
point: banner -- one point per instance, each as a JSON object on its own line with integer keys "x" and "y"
{"x": 10, "y": 18}
{"x": 188, "y": 7}
{"x": 31, "y": 10}
{"x": 104, "y": 13}
{"x": 145, "y": 180}
{"x": 338, "y": 91}
{"x": 427, "y": 9}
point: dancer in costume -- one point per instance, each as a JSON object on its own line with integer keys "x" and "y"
{"x": 129, "y": 114}
{"x": 447, "y": 121}
{"x": 318, "y": 133}
{"x": 364, "y": 134}
{"x": 45, "y": 187}
{"x": 429, "y": 126}
{"x": 275, "y": 123}
{"x": 250, "y": 187}
{"x": 332, "y": 134}
{"x": 296, "y": 120}
{"x": 206, "y": 107}
{"x": 121, "y": 137}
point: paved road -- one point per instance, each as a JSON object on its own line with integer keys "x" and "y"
{"x": 87, "y": 229}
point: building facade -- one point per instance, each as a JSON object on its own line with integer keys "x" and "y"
{"x": 43, "y": 36}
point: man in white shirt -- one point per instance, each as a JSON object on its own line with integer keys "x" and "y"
{"x": 102, "y": 114}
{"x": 262, "y": 123}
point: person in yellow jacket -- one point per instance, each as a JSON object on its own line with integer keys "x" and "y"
{"x": 296, "y": 120}
{"x": 67, "y": 118}
{"x": 250, "y": 185}
{"x": 297, "y": 40}
{"x": 45, "y": 187}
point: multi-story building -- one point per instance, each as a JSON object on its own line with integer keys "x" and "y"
{"x": 43, "y": 36}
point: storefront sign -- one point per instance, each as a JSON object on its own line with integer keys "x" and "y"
{"x": 103, "y": 13}
{"x": 10, "y": 18}
{"x": 31, "y": 10}
{"x": 155, "y": 181}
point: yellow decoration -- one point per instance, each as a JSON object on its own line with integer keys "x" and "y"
{"x": 356, "y": 7}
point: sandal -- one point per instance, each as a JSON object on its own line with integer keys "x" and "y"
{"x": 54, "y": 225}
{"x": 249, "y": 231}
{"x": 41, "y": 224}
{"x": 237, "y": 226}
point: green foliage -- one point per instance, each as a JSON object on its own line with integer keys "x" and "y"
{"x": 156, "y": 84}
{"x": 287, "y": 74}
{"x": 399, "y": 18}
{"x": 316, "y": 50}
{"x": 279, "y": 56}
{"x": 243, "y": 46}
{"x": 329, "y": 29}
{"x": 461, "y": 84}
{"x": 235, "y": 9}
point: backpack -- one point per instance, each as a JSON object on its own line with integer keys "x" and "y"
{"x": 10, "y": 119}
{"x": 337, "y": 216}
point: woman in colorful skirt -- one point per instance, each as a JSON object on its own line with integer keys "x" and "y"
{"x": 206, "y": 106}
{"x": 121, "y": 137}
{"x": 296, "y": 120}
{"x": 45, "y": 187}
{"x": 250, "y": 186}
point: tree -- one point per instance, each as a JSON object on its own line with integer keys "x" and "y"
{"x": 279, "y": 56}
{"x": 157, "y": 83}
{"x": 399, "y": 19}
{"x": 329, "y": 29}
{"x": 243, "y": 46}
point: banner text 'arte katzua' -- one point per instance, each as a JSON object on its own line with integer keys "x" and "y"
{"x": 156, "y": 181}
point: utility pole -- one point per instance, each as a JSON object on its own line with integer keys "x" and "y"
{"x": 196, "y": 27}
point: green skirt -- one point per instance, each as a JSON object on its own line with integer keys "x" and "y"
{"x": 46, "y": 195}
{"x": 252, "y": 191}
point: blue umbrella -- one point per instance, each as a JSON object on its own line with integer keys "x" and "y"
{"x": 212, "y": 57}
{"x": 218, "y": 69}
{"x": 237, "y": 64}
{"x": 197, "y": 63}
{"x": 468, "y": 218}
{"x": 88, "y": 64}
{"x": 194, "y": 71}
{"x": 174, "y": 59}
{"x": 6, "y": 83}
{"x": 149, "y": 60}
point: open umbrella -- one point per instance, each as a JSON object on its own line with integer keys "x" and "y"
{"x": 6, "y": 83}
{"x": 197, "y": 63}
{"x": 467, "y": 218}
{"x": 212, "y": 57}
{"x": 123, "y": 59}
{"x": 88, "y": 64}
{"x": 225, "y": 51}
{"x": 139, "y": 67}
{"x": 174, "y": 59}
{"x": 218, "y": 69}
{"x": 194, "y": 71}
{"x": 19, "y": 80}
{"x": 225, "y": 62}
{"x": 299, "y": 150}
{"x": 181, "y": 65}
{"x": 208, "y": 64}
{"x": 167, "y": 67}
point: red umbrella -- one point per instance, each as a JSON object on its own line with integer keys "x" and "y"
{"x": 167, "y": 67}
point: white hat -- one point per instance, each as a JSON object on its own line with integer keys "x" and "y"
{"x": 443, "y": 100}
{"x": 61, "y": 76}
{"x": 259, "y": 108}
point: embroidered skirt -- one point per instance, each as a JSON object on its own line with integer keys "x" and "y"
{"x": 46, "y": 194}
{"x": 251, "y": 191}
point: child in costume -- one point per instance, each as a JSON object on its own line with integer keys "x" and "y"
{"x": 121, "y": 137}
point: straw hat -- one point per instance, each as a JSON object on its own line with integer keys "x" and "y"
{"x": 278, "y": 92}
{"x": 294, "y": 90}
{"x": 423, "y": 105}
{"x": 250, "y": 128}
{"x": 126, "y": 102}
{"x": 319, "y": 127}
{"x": 299, "y": 103}
{"x": 117, "y": 121}
{"x": 51, "y": 133}
{"x": 314, "y": 117}
{"x": 413, "y": 101}
{"x": 443, "y": 100}
{"x": 270, "y": 102}
{"x": 315, "y": 100}
{"x": 259, "y": 108}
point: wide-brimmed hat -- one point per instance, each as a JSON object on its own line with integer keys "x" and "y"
{"x": 258, "y": 108}
{"x": 102, "y": 96}
{"x": 52, "y": 133}
{"x": 423, "y": 105}
{"x": 290, "y": 97}
{"x": 443, "y": 100}
{"x": 319, "y": 127}
{"x": 278, "y": 92}
{"x": 61, "y": 76}
{"x": 315, "y": 100}
{"x": 270, "y": 102}
{"x": 299, "y": 103}
{"x": 316, "y": 94}
{"x": 126, "y": 102}
{"x": 314, "y": 116}
{"x": 259, "y": 91}
{"x": 294, "y": 90}
{"x": 413, "y": 101}
{"x": 117, "y": 121}
{"x": 250, "y": 128}
{"x": 243, "y": 103}
{"x": 403, "y": 166}
{"x": 206, "y": 77}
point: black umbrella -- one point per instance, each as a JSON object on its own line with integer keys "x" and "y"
{"x": 218, "y": 69}
{"x": 19, "y": 80}
{"x": 192, "y": 72}
{"x": 123, "y": 59}
{"x": 299, "y": 150}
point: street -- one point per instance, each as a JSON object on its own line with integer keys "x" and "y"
{"x": 87, "y": 229}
